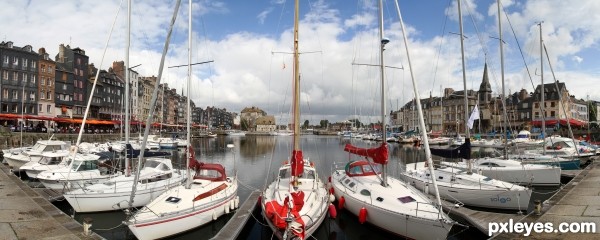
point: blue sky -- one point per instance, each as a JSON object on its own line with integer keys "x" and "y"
{"x": 240, "y": 37}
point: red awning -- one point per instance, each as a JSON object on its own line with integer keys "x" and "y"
{"x": 563, "y": 122}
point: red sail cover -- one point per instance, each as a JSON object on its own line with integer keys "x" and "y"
{"x": 297, "y": 163}
{"x": 378, "y": 154}
{"x": 277, "y": 213}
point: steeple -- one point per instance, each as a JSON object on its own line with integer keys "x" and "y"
{"x": 485, "y": 90}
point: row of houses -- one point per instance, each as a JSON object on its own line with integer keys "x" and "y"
{"x": 524, "y": 110}
{"x": 56, "y": 90}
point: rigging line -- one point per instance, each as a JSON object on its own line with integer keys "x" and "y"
{"x": 519, "y": 46}
{"x": 437, "y": 60}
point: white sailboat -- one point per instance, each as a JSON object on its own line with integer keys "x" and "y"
{"x": 296, "y": 202}
{"x": 84, "y": 169}
{"x": 200, "y": 200}
{"x": 49, "y": 161}
{"x": 386, "y": 202}
{"x": 463, "y": 186}
{"x": 16, "y": 159}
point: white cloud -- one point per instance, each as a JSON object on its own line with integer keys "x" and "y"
{"x": 246, "y": 73}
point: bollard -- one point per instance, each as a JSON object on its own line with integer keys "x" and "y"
{"x": 538, "y": 207}
{"x": 87, "y": 225}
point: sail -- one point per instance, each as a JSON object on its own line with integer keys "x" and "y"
{"x": 297, "y": 163}
{"x": 378, "y": 154}
{"x": 463, "y": 151}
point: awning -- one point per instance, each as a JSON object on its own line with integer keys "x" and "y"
{"x": 563, "y": 122}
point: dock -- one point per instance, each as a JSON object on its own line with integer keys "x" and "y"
{"x": 235, "y": 225}
{"x": 577, "y": 201}
{"x": 24, "y": 214}
{"x": 479, "y": 219}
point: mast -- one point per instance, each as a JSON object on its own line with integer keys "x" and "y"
{"x": 420, "y": 113}
{"x": 381, "y": 68}
{"x": 466, "y": 108}
{"x": 127, "y": 114}
{"x": 502, "y": 77}
{"x": 187, "y": 162}
{"x": 542, "y": 101}
{"x": 296, "y": 153}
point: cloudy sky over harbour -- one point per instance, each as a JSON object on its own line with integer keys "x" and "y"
{"x": 250, "y": 42}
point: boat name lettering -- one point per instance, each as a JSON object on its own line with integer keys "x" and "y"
{"x": 500, "y": 199}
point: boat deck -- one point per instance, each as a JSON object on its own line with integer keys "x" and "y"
{"x": 235, "y": 225}
{"x": 478, "y": 219}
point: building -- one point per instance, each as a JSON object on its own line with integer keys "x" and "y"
{"x": 118, "y": 68}
{"x": 75, "y": 62}
{"x": 45, "y": 92}
{"x": 266, "y": 124}
{"x": 249, "y": 115}
{"x": 19, "y": 71}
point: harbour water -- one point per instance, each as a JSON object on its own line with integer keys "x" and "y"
{"x": 256, "y": 159}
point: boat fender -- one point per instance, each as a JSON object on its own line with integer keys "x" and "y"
{"x": 214, "y": 215}
{"x": 226, "y": 211}
{"x": 232, "y": 204}
{"x": 362, "y": 215}
{"x": 426, "y": 189}
{"x": 341, "y": 202}
{"x": 331, "y": 198}
{"x": 236, "y": 202}
{"x": 332, "y": 211}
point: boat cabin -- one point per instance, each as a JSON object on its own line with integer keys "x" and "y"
{"x": 362, "y": 168}
{"x": 211, "y": 172}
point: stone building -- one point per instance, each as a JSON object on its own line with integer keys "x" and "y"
{"x": 19, "y": 71}
{"x": 46, "y": 86}
{"x": 249, "y": 115}
{"x": 266, "y": 124}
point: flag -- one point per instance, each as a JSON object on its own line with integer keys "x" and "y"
{"x": 474, "y": 115}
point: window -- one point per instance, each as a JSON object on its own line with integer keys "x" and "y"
{"x": 64, "y": 87}
{"x": 42, "y": 94}
{"x": 33, "y": 65}
{"x": 552, "y": 104}
{"x": 552, "y": 114}
{"x": 40, "y": 108}
{"x": 79, "y": 61}
{"x": 5, "y": 93}
{"x": 43, "y": 81}
{"x": 24, "y": 62}
{"x": 49, "y": 69}
{"x": 49, "y": 95}
{"x": 4, "y": 75}
{"x": 14, "y": 108}
{"x": 49, "y": 82}
{"x": 15, "y": 76}
{"x": 32, "y": 78}
{"x": 64, "y": 76}
{"x": 16, "y": 61}
{"x": 75, "y": 70}
{"x": 43, "y": 68}
{"x": 15, "y": 94}
{"x": 48, "y": 108}
{"x": 537, "y": 105}
{"x": 80, "y": 84}
{"x": 24, "y": 77}
{"x": 6, "y": 59}
{"x": 32, "y": 96}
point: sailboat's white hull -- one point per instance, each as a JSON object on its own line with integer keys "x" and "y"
{"x": 499, "y": 195}
{"x": 72, "y": 181}
{"x": 115, "y": 199}
{"x": 513, "y": 171}
{"x": 17, "y": 161}
{"x": 161, "y": 218}
{"x": 413, "y": 224}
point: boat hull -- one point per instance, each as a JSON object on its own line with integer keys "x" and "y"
{"x": 119, "y": 199}
{"x": 146, "y": 224}
{"x": 409, "y": 226}
{"x": 488, "y": 198}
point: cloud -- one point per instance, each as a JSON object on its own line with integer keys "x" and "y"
{"x": 263, "y": 15}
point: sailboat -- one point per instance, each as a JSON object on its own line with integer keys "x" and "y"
{"x": 364, "y": 188}
{"x": 206, "y": 196}
{"x": 464, "y": 186}
{"x": 296, "y": 202}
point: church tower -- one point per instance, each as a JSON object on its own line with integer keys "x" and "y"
{"x": 485, "y": 90}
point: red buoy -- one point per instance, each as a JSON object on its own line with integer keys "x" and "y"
{"x": 332, "y": 211}
{"x": 331, "y": 190}
{"x": 341, "y": 202}
{"x": 362, "y": 215}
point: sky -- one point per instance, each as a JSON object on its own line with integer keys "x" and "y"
{"x": 250, "y": 45}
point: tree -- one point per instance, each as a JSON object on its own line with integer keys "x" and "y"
{"x": 324, "y": 123}
{"x": 592, "y": 113}
{"x": 245, "y": 124}
{"x": 305, "y": 126}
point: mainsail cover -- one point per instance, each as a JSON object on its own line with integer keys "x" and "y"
{"x": 463, "y": 151}
{"x": 378, "y": 154}
{"x": 297, "y": 163}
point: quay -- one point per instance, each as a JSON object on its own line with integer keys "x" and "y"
{"x": 578, "y": 201}
{"x": 24, "y": 214}
{"x": 235, "y": 225}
